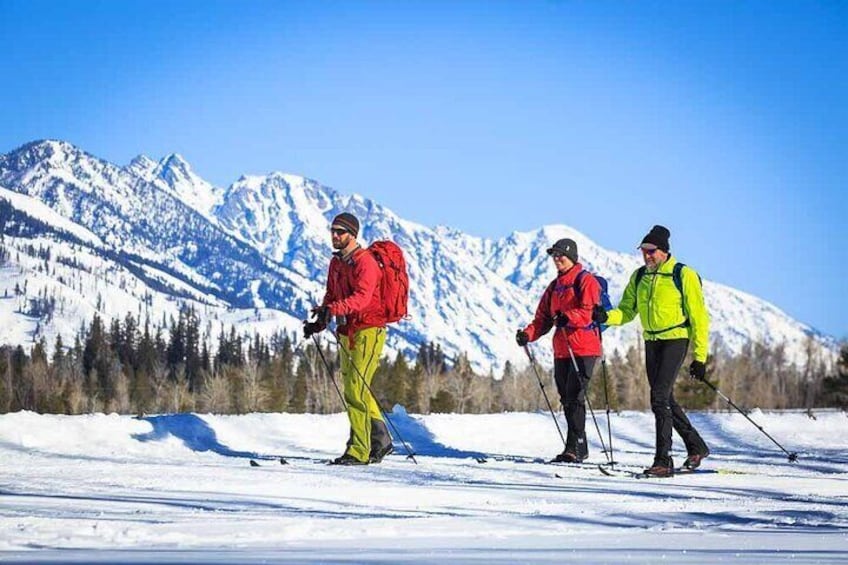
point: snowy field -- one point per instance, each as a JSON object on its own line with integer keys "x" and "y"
{"x": 180, "y": 489}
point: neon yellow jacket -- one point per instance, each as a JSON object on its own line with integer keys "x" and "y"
{"x": 662, "y": 309}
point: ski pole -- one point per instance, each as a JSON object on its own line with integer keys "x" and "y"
{"x": 329, "y": 371}
{"x": 606, "y": 394}
{"x": 792, "y": 456}
{"x": 542, "y": 386}
{"x": 586, "y": 397}
{"x": 411, "y": 454}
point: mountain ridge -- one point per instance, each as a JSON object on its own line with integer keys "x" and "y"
{"x": 261, "y": 244}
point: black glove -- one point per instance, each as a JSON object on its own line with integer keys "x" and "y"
{"x": 599, "y": 314}
{"x": 698, "y": 371}
{"x": 560, "y": 319}
{"x": 311, "y": 328}
{"x": 521, "y": 338}
{"x": 322, "y": 315}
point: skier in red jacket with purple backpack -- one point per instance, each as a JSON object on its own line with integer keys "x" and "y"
{"x": 566, "y": 305}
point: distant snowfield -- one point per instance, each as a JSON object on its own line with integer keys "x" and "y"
{"x": 179, "y": 489}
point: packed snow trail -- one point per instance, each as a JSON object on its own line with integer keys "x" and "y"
{"x": 179, "y": 487}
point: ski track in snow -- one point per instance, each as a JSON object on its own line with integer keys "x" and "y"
{"x": 179, "y": 488}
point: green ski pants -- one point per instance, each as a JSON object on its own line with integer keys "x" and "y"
{"x": 359, "y": 360}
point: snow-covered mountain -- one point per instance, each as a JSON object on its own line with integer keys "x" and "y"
{"x": 149, "y": 236}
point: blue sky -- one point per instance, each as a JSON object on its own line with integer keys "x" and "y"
{"x": 725, "y": 121}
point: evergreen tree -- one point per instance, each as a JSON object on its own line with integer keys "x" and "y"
{"x": 193, "y": 359}
{"x": 6, "y": 383}
{"x": 97, "y": 361}
{"x": 129, "y": 344}
{"x": 19, "y": 389}
{"x": 95, "y": 342}
{"x": 835, "y": 387}
{"x": 442, "y": 403}
{"x": 176, "y": 354}
{"x": 39, "y": 352}
{"x": 205, "y": 358}
{"x": 691, "y": 393}
{"x": 58, "y": 352}
{"x": 146, "y": 362}
{"x": 414, "y": 388}
{"x": 297, "y": 401}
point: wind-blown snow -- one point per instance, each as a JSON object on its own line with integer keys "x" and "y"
{"x": 178, "y": 487}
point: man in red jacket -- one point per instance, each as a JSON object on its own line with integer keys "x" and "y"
{"x": 567, "y": 305}
{"x": 353, "y": 297}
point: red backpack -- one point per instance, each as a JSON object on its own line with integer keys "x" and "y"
{"x": 394, "y": 286}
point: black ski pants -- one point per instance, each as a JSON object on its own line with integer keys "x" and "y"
{"x": 663, "y": 359}
{"x": 572, "y": 385}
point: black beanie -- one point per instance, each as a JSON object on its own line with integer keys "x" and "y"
{"x": 347, "y": 221}
{"x": 567, "y": 247}
{"x": 658, "y": 236}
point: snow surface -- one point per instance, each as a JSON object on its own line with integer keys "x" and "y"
{"x": 40, "y": 211}
{"x": 178, "y": 488}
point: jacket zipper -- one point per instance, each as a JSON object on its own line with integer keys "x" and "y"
{"x": 651, "y": 291}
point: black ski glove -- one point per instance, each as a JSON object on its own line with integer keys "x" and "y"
{"x": 521, "y": 338}
{"x": 560, "y": 319}
{"x": 698, "y": 371}
{"x": 599, "y": 314}
{"x": 311, "y": 328}
{"x": 322, "y": 315}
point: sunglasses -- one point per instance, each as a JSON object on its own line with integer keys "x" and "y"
{"x": 338, "y": 231}
{"x": 650, "y": 251}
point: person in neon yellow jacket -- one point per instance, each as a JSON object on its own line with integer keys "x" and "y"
{"x": 669, "y": 299}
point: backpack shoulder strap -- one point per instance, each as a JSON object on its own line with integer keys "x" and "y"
{"x": 677, "y": 276}
{"x": 549, "y": 290}
{"x": 640, "y": 274}
{"x": 577, "y": 290}
{"x": 355, "y": 255}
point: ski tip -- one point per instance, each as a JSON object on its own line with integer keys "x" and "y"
{"x": 254, "y": 463}
{"x": 481, "y": 459}
{"x": 725, "y": 471}
{"x": 283, "y": 461}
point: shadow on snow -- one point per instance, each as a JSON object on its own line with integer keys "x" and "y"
{"x": 193, "y": 431}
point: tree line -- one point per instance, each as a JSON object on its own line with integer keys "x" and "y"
{"x": 130, "y": 367}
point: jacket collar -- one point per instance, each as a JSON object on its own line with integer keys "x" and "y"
{"x": 667, "y": 267}
{"x": 570, "y": 273}
{"x": 350, "y": 256}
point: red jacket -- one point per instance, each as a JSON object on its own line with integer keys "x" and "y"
{"x": 560, "y": 296}
{"x": 353, "y": 291}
